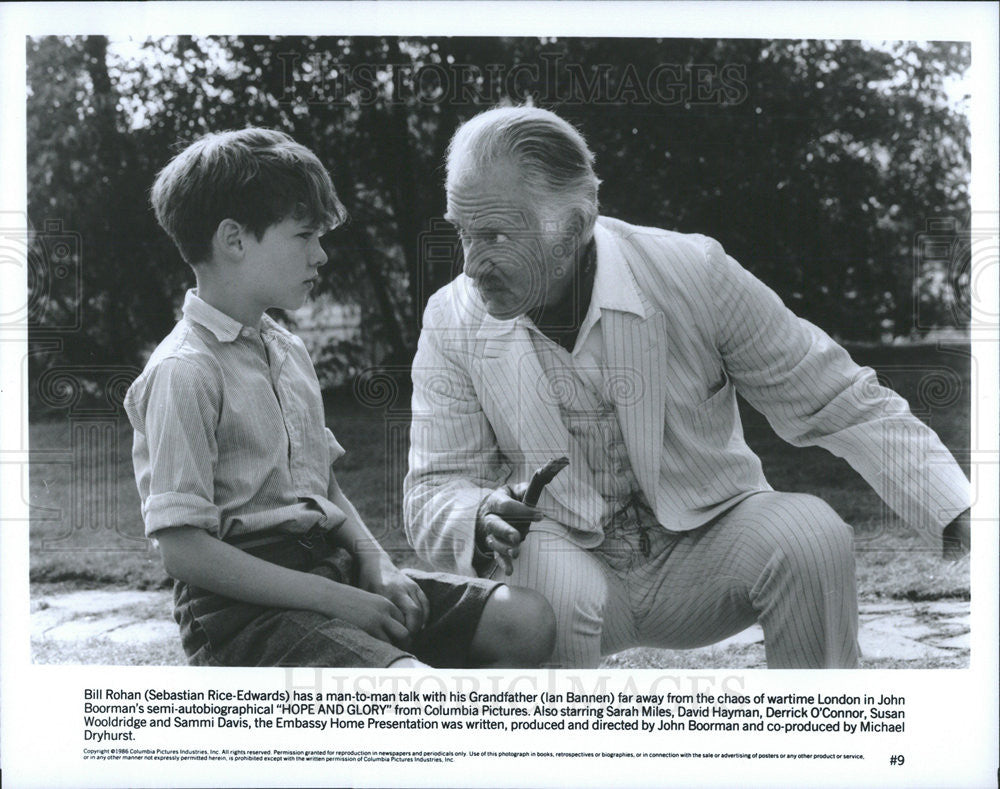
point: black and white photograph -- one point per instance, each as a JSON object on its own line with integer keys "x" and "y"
{"x": 590, "y": 382}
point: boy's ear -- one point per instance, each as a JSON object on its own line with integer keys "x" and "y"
{"x": 228, "y": 239}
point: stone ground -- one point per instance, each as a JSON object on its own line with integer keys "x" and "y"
{"x": 135, "y": 627}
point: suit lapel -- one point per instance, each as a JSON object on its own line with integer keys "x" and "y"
{"x": 635, "y": 375}
{"x": 635, "y": 358}
{"x": 513, "y": 381}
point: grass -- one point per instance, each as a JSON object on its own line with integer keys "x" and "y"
{"x": 750, "y": 656}
{"x": 893, "y": 563}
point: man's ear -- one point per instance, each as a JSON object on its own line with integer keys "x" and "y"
{"x": 580, "y": 226}
{"x": 573, "y": 228}
{"x": 228, "y": 239}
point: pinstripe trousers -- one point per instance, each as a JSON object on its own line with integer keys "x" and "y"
{"x": 785, "y": 560}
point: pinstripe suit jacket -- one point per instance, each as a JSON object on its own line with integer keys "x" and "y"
{"x": 693, "y": 328}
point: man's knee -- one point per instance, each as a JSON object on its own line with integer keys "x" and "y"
{"x": 820, "y": 538}
{"x": 569, "y": 577}
{"x": 517, "y": 629}
{"x": 572, "y": 581}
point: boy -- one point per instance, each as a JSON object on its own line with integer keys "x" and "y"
{"x": 233, "y": 461}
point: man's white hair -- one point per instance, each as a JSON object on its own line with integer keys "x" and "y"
{"x": 553, "y": 160}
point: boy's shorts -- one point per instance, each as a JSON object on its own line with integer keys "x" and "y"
{"x": 220, "y": 631}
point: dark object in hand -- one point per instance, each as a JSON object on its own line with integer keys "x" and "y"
{"x": 539, "y": 480}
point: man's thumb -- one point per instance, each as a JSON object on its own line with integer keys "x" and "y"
{"x": 517, "y": 491}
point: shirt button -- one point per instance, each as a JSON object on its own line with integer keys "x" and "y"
{"x": 246, "y": 331}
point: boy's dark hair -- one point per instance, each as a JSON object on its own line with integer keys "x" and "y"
{"x": 257, "y": 177}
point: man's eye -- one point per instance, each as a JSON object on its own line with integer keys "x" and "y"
{"x": 483, "y": 236}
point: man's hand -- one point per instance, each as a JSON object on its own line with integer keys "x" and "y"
{"x": 957, "y": 538}
{"x": 378, "y": 575}
{"x": 494, "y": 533}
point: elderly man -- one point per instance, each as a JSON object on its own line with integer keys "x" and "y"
{"x": 623, "y": 348}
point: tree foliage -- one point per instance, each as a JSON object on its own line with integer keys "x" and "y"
{"x": 817, "y": 164}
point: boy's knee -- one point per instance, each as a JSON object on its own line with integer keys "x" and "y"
{"x": 517, "y": 629}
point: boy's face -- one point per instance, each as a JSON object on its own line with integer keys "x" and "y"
{"x": 282, "y": 268}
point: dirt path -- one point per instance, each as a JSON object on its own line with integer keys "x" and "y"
{"x": 112, "y": 626}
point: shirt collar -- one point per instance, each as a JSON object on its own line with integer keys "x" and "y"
{"x": 614, "y": 285}
{"x": 614, "y": 289}
{"x": 225, "y": 328}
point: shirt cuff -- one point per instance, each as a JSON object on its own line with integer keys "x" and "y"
{"x": 334, "y": 516}
{"x": 336, "y": 450}
{"x": 955, "y": 499}
{"x": 166, "y": 510}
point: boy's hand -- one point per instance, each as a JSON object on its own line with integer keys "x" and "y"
{"x": 373, "y": 613}
{"x": 377, "y": 574}
{"x": 201, "y": 559}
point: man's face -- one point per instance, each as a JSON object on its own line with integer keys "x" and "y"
{"x": 282, "y": 268}
{"x": 517, "y": 260}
